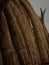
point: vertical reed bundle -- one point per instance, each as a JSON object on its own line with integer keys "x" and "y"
{"x": 17, "y": 38}
{"x": 46, "y": 33}
{"x": 43, "y": 46}
{"x": 23, "y": 11}
{"x": 43, "y": 23}
{"x": 27, "y": 32}
{"x": 19, "y": 44}
{"x": 8, "y": 52}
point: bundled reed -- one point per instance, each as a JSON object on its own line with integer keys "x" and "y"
{"x": 26, "y": 30}
{"x": 18, "y": 39}
{"x": 8, "y": 52}
{"x": 38, "y": 28}
{"x": 43, "y": 23}
{"x": 19, "y": 43}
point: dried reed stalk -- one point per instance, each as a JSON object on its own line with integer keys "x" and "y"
{"x": 20, "y": 6}
{"x": 18, "y": 39}
{"x": 38, "y": 28}
{"x": 8, "y": 52}
{"x": 44, "y": 27}
{"x": 19, "y": 14}
{"x": 27, "y": 31}
{"x": 46, "y": 33}
{"x": 43, "y": 23}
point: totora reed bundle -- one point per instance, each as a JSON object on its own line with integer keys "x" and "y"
{"x": 23, "y": 36}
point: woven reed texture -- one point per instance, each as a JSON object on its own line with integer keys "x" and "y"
{"x": 21, "y": 44}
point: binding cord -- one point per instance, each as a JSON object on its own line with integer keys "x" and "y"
{"x": 3, "y": 4}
